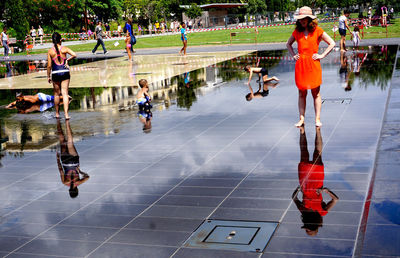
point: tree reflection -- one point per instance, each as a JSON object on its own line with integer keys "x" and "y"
{"x": 378, "y": 67}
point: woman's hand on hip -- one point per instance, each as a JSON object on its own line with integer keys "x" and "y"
{"x": 296, "y": 57}
{"x": 317, "y": 57}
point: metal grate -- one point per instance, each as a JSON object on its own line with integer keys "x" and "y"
{"x": 337, "y": 101}
{"x": 250, "y": 236}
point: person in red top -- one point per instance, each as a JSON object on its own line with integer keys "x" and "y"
{"x": 311, "y": 179}
{"x": 308, "y": 73}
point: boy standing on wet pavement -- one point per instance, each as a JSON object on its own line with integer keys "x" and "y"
{"x": 99, "y": 36}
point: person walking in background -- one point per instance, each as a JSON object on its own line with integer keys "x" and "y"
{"x": 4, "y": 42}
{"x": 108, "y": 32}
{"x": 40, "y": 33}
{"x": 98, "y": 34}
{"x": 119, "y": 30}
{"x": 369, "y": 16}
{"x": 129, "y": 28}
{"x": 33, "y": 35}
{"x": 308, "y": 73}
{"x": 82, "y": 33}
{"x": 184, "y": 39}
{"x": 343, "y": 25}
{"x": 139, "y": 30}
{"x": 57, "y": 67}
{"x": 384, "y": 11}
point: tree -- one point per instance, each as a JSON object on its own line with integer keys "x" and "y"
{"x": 14, "y": 15}
{"x": 194, "y": 11}
{"x": 256, "y": 7}
{"x": 105, "y": 9}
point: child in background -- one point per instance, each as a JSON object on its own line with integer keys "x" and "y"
{"x": 356, "y": 37}
{"x": 128, "y": 45}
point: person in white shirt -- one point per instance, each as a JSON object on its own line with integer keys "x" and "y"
{"x": 33, "y": 35}
{"x": 4, "y": 42}
{"x": 342, "y": 29}
{"x": 40, "y": 33}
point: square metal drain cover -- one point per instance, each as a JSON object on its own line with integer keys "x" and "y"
{"x": 250, "y": 236}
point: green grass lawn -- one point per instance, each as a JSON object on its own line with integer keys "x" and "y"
{"x": 243, "y": 36}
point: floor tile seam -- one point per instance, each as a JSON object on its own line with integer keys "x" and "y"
{"x": 286, "y": 188}
{"x": 284, "y": 199}
{"x": 66, "y": 202}
{"x": 358, "y": 246}
{"x": 374, "y": 199}
{"x": 210, "y": 207}
{"x": 174, "y": 187}
{"x": 46, "y": 255}
{"x": 307, "y": 255}
{"x": 62, "y": 225}
{"x": 331, "y": 224}
{"x": 317, "y": 238}
{"x": 230, "y": 144}
{"x": 294, "y": 180}
{"x": 284, "y": 209}
{"x": 385, "y": 224}
{"x": 252, "y": 198}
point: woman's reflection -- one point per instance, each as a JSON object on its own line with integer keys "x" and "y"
{"x": 68, "y": 161}
{"x": 311, "y": 178}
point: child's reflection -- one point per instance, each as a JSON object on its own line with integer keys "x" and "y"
{"x": 68, "y": 161}
{"x": 311, "y": 178}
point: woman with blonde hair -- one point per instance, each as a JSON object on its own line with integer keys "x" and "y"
{"x": 308, "y": 73}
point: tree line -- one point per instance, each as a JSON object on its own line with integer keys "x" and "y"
{"x": 71, "y": 15}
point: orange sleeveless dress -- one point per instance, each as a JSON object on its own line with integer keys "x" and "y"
{"x": 308, "y": 73}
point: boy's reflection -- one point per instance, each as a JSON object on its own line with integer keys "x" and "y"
{"x": 145, "y": 115}
{"x": 311, "y": 178}
{"x": 68, "y": 161}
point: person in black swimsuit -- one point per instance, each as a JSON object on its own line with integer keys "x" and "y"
{"x": 68, "y": 161}
{"x": 57, "y": 67}
{"x": 262, "y": 76}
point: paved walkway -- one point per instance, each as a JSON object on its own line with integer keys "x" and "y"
{"x": 224, "y": 159}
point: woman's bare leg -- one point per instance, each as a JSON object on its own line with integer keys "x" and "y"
{"x": 268, "y": 79}
{"x": 302, "y": 107}
{"x": 129, "y": 53}
{"x": 57, "y": 93}
{"x": 64, "y": 92}
{"x": 317, "y": 105}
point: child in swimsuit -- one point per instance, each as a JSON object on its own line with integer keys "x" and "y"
{"x": 262, "y": 74}
{"x": 39, "y": 98}
{"x": 143, "y": 97}
{"x": 128, "y": 45}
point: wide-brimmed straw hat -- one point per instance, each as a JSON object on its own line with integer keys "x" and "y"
{"x": 304, "y": 12}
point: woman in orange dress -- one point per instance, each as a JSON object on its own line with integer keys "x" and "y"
{"x": 308, "y": 73}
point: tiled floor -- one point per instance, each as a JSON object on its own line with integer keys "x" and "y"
{"x": 221, "y": 158}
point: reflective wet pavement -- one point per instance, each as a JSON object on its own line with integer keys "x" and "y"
{"x": 209, "y": 154}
